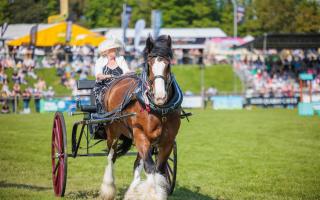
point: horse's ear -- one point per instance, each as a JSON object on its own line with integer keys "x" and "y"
{"x": 169, "y": 42}
{"x": 149, "y": 44}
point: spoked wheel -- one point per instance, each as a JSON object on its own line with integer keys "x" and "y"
{"x": 59, "y": 155}
{"x": 171, "y": 167}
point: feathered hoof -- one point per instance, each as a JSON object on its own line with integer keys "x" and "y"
{"x": 154, "y": 188}
{"x": 108, "y": 192}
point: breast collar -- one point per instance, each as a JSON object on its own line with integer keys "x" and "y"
{"x": 147, "y": 102}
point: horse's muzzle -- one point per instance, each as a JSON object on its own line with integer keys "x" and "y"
{"x": 160, "y": 100}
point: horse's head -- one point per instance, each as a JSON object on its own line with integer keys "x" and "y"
{"x": 158, "y": 54}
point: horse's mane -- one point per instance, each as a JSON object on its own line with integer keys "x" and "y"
{"x": 159, "y": 47}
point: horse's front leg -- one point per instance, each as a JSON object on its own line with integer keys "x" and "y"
{"x": 153, "y": 187}
{"x": 108, "y": 188}
{"x": 162, "y": 158}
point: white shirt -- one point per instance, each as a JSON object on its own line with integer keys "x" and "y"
{"x": 102, "y": 61}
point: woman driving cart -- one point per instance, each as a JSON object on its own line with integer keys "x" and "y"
{"x": 108, "y": 66}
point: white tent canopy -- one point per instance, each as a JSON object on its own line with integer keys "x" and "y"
{"x": 15, "y": 31}
{"x": 175, "y": 33}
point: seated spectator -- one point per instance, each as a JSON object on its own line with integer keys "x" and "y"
{"x": 5, "y": 88}
{"x": 40, "y": 85}
{"x": 83, "y": 76}
{"x": 5, "y": 109}
{"x": 31, "y": 72}
{"x": 2, "y": 76}
{"x": 15, "y": 78}
{"x": 71, "y": 83}
{"x": 45, "y": 62}
{"x": 63, "y": 80}
{"x": 61, "y": 68}
{"x": 21, "y": 76}
{"x": 49, "y": 93}
{"x": 28, "y": 62}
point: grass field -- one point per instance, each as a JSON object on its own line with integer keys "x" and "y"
{"x": 256, "y": 154}
{"x": 218, "y": 76}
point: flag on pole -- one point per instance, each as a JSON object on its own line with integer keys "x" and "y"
{"x": 69, "y": 31}
{"x": 33, "y": 35}
{"x": 140, "y": 25}
{"x": 240, "y": 14}
{"x": 125, "y": 19}
{"x": 156, "y": 21}
{"x": 4, "y": 28}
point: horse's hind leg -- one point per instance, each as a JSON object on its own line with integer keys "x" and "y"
{"x": 108, "y": 188}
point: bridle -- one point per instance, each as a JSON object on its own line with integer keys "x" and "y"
{"x": 149, "y": 82}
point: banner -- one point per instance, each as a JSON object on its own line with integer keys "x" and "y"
{"x": 273, "y": 101}
{"x": 156, "y": 22}
{"x": 227, "y": 102}
{"x": 138, "y": 28}
{"x": 61, "y": 104}
{"x": 125, "y": 20}
{"x": 192, "y": 102}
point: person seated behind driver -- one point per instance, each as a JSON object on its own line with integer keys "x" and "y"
{"x": 108, "y": 66}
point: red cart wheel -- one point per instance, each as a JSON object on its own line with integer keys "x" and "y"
{"x": 171, "y": 169}
{"x": 59, "y": 155}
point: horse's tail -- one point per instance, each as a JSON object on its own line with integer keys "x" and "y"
{"x": 124, "y": 145}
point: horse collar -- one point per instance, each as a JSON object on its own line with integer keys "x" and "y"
{"x": 145, "y": 98}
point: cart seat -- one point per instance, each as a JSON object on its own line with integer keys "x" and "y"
{"x": 88, "y": 108}
{"x": 85, "y": 84}
{"x": 88, "y": 85}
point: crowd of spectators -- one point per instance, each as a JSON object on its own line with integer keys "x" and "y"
{"x": 277, "y": 73}
{"x": 266, "y": 74}
{"x": 19, "y": 80}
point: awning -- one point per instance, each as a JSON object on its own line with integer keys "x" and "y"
{"x": 285, "y": 41}
{"x": 56, "y": 34}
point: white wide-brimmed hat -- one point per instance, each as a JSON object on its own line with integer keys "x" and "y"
{"x": 109, "y": 43}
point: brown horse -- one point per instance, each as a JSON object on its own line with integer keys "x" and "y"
{"x": 148, "y": 128}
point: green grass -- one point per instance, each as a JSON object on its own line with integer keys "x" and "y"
{"x": 49, "y": 75}
{"x": 218, "y": 76}
{"x": 256, "y": 154}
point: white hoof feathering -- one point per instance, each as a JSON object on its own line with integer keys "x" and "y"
{"x": 155, "y": 187}
{"x": 108, "y": 188}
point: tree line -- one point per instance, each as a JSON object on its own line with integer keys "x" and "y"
{"x": 261, "y": 16}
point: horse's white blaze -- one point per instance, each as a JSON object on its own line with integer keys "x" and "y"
{"x": 108, "y": 188}
{"x": 160, "y": 94}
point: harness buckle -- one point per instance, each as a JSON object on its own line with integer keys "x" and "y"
{"x": 164, "y": 119}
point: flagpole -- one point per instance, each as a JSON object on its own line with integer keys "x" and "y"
{"x": 235, "y": 33}
{"x": 124, "y": 24}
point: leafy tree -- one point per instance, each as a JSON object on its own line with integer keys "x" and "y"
{"x": 102, "y": 13}
{"x": 307, "y": 18}
{"x": 261, "y": 16}
{"x": 27, "y": 11}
